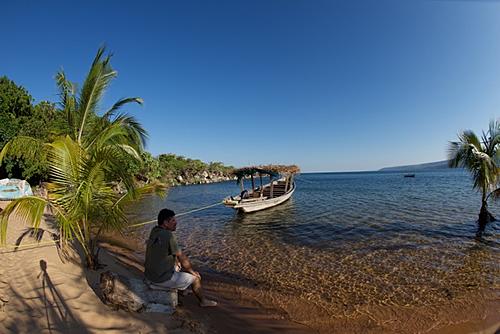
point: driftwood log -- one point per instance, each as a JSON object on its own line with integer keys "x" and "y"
{"x": 134, "y": 295}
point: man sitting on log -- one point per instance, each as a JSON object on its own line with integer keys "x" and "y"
{"x": 162, "y": 256}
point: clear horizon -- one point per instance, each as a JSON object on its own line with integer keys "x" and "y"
{"x": 330, "y": 86}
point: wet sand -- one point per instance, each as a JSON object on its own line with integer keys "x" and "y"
{"x": 452, "y": 317}
{"x": 363, "y": 302}
{"x": 236, "y": 311}
{"x": 251, "y": 306}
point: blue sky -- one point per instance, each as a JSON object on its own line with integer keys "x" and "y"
{"x": 329, "y": 85}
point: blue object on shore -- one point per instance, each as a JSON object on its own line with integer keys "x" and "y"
{"x": 13, "y": 188}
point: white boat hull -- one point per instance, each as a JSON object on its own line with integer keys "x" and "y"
{"x": 264, "y": 203}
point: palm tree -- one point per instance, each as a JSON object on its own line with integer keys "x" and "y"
{"x": 481, "y": 158}
{"x": 85, "y": 162}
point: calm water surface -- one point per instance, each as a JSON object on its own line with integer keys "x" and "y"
{"x": 346, "y": 241}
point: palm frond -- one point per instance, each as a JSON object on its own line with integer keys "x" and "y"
{"x": 94, "y": 86}
{"x": 114, "y": 155}
{"x": 66, "y": 158}
{"x": 68, "y": 103}
{"x": 108, "y": 135}
{"x": 29, "y": 209}
{"x": 477, "y": 157}
{"x": 157, "y": 188}
{"x": 136, "y": 134}
{"x": 493, "y": 137}
{"x": 24, "y": 147}
{"x": 460, "y": 153}
{"x": 120, "y": 103}
{"x": 85, "y": 163}
{"x": 495, "y": 194}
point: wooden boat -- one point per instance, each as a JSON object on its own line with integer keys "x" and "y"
{"x": 278, "y": 190}
{"x": 13, "y": 188}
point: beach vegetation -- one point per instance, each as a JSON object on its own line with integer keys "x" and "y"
{"x": 147, "y": 169}
{"x": 18, "y": 116}
{"x": 47, "y": 121}
{"x": 481, "y": 157}
{"x": 15, "y": 101}
{"x": 91, "y": 161}
{"x": 85, "y": 162}
{"x": 172, "y": 165}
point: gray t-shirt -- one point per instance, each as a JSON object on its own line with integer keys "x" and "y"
{"x": 160, "y": 255}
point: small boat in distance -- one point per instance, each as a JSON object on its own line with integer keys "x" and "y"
{"x": 279, "y": 189}
{"x": 409, "y": 175}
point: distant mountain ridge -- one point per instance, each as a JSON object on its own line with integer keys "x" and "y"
{"x": 419, "y": 167}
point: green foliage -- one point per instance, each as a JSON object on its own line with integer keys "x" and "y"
{"x": 146, "y": 169}
{"x": 45, "y": 122}
{"x": 18, "y": 117}
{"x": 84, "y": 154}
{"x": 219, "y": 167}
{"x": 78, "y": 119}
{"x": 9, "y": 127}
{"x": 150, "y": 167}
{"x": 15, "y": 102}
{"x": 173, "y": 165}
{"x": 14, "y": 99}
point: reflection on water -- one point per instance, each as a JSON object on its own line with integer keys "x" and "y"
{"x": 347, "y": 242}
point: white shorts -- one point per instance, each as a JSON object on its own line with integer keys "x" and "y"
{"x": 179, "y": 281}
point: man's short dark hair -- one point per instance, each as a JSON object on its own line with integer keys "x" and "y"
{"x": 164, "y": 214}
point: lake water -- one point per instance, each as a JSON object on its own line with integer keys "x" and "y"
{"x": 347, "y": 244}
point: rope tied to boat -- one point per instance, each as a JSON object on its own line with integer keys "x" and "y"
{"x": 303, "y": 180}
{"x": 53, "y": 242}
{"x": 178, "y": 215}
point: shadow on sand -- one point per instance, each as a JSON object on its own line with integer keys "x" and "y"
{"x": 57, "y": 312}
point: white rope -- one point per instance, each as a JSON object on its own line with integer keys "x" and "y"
{"x": 51, "y": 242}
{"x": 302, "y": 180}
{"x": 178, "y": 215}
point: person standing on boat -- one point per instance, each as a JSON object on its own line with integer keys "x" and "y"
{"x": 166, "y": 266}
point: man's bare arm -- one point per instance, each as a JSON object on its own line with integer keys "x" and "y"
{"x": 186, "y": 264}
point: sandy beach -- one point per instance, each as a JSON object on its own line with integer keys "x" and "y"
{"x": 40, "y": 294}
{"x": 59, "y": 298}
{"x": 317, "y": 167}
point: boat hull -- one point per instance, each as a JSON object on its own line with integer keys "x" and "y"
{"x": 258, "y": 205}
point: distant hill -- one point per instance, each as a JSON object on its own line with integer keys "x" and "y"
{"x": 420, "y": 167}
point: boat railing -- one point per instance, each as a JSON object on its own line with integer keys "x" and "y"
{"x": 254, "y": 199}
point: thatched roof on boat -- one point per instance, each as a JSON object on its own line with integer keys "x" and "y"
{"x": 273, "y": 170}
{"x": 282, "y": 169}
